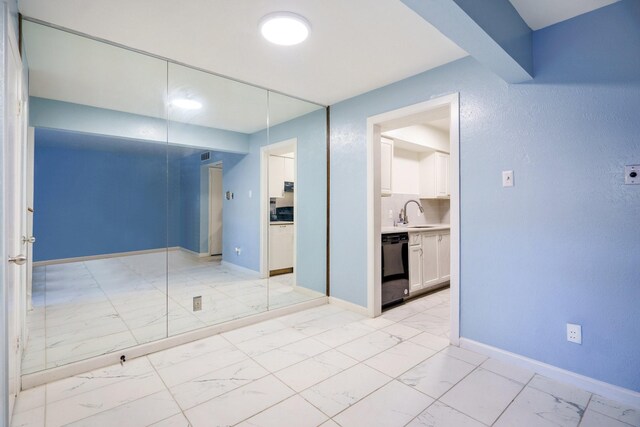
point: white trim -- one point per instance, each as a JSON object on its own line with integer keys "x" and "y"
{"x": 43, "y": 377}
{"x": 104, "y": 256}
{"x": 194, "y": 253}
{"x": 610, "y": 391}
{"x": 350, "y": 306}
{"x": 282, "y": 147}
{"x": 241, "y": 269}
{"x": 373, "y": 203}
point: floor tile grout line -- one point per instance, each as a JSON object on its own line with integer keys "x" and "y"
{"x": 169, "y": 391}
{"x": 585, "y": 410}
{"x": 513, "y": 400}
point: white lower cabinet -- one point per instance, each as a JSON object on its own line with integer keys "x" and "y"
{"x": 415, "y": 267}
{"x": 280, "y": 246}
{"x": 444, "y": 256}
{"x": 429, "y": 260}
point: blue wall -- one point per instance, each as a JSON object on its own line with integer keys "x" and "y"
{"x": 562, "y": 245}
{"x": 241, "y": 216}
{"x": 96, "y": 195}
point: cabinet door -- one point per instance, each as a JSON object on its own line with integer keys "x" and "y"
{"x": 280, "y": 246}
{"x": 444, "y": 256}
{"x": 276, "y": 176}
{"x": 442, "y": 175}
{"x": 386, "y": 164}
{"x": 415, "y": 267}
{"x": 429, "y": 260}
{"x": 289, "y": 169}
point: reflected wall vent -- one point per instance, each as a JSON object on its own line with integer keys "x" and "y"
{"x": 205, "y": 156}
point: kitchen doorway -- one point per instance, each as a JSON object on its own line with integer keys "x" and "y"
{"x": 401, "y": 126}
{"x": 278, "y": 207}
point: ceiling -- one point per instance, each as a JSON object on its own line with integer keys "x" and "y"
{"x": 542, "y": 13}
{"x": 355, "y": 45}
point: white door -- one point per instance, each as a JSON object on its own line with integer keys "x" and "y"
{"x": 30, "y": 212}
{"x": 15, "y": 217}
{"x": 215, "y": 199}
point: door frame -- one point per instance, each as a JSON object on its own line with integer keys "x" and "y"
{"x": 216, "y": 165}
{"x": 374, "y": 248}
{"x": 282, "y": 147}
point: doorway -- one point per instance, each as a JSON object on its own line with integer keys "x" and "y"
{"x": 278, "y": 207}
{"x": 381, "y": 126}
{"x": 215, "y": 210}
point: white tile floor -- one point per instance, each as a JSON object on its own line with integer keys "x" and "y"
{"x": 323, "y": 366}
{"x": 85, "y": 309}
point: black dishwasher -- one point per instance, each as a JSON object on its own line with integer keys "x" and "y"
{"x": 395, "y": 268}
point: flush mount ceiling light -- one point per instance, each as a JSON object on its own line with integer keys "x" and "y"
{"x": 186, "y": 104}
{"x": 284, "y": 28}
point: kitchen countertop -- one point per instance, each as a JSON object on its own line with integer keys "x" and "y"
{"x": 280, "y": 222}
{"x": 404, "y": 229}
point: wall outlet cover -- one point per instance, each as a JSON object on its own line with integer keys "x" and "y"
{"x": 197, "y": 303}
{"x": 574, "y": 333}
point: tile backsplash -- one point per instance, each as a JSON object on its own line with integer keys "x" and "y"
{"x": 435, "y": 211}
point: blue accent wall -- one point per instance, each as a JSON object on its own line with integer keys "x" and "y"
{"x": 562, "y": 244}
{"x": 94, "y": 195}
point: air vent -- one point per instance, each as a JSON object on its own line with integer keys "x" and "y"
{"x": 205, "y": 156}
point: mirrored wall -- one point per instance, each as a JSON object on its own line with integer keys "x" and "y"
{"x": 166, "y": 199}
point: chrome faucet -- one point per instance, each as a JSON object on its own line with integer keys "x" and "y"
{"x": 404, "y": 219}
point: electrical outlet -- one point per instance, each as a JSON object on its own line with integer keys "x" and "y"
{"x": 574, "y": 333}
{"x": 632, "y": 174}
{"x": 197, "y": 303}
{"x": 238, "y": 251}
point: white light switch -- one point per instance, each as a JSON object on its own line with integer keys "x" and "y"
{"x": 507, "y": 178}
{"x": 632, "y": 174}
{"x": 250, "y": 194}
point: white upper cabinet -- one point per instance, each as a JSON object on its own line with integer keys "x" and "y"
{"x": 289, "y": 173}
{"x": 434, "y": 176}
{"x": 276, "y": 176}
{"x": 386, "y": 166}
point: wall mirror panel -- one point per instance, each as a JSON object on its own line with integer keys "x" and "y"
{"x": 100, "y": 202}
{"x": 166, "y": 199}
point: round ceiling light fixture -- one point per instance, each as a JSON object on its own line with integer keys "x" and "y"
{"x": 284, "y": 28}
{"x": 186, "y": 104}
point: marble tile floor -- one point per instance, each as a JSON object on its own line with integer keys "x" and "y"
{"x": 85, "y": 309}
{"x": 320, "y": 367}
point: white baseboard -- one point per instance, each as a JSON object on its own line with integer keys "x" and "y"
{"x": 190, "y": 252}
{"x": 103, "y": 256}
{"x": 236, "y": 267}
{"x": 610, "y": 391}
{"x": 350, "y": 306}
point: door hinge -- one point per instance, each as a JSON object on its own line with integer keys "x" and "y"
{"x": 18, "y": 344}
{"x": 19, "y": 107}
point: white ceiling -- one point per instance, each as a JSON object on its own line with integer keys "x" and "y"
{"x": 70, "y": 68}
{"x": 542, "y": 13}
{"x": 355, "y": 45}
